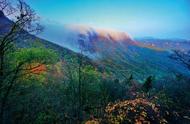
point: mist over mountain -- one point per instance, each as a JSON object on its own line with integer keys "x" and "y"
{"x": 118, "y": 51}
{"x": 115, "y": 50}
{"x": 68, "y": 36}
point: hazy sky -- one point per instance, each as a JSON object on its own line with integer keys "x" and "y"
{"x": 157, "y": 18}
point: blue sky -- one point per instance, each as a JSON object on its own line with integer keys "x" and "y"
{"x": 140, "y": 18}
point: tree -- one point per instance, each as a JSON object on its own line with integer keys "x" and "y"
{"x": 128, "y": 80}
{"x": 80, "y": 62}
{"x": 16, "y": 63}
{"x": 23, "y": 22}
{"x": 148, "y": 84}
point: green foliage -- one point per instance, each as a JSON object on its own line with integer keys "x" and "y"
{"x": 163, "y": 99}
{"x": 32, "y": 95}
{"x": 24, "y": 59}
{"x": 34, "y": 55}
{"x": 19, "y": 77}
{"x": 48, "y": 117}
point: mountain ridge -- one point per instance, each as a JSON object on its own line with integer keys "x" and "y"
{"x": 124, "y": 57}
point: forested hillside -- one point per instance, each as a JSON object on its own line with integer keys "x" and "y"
{"x": 44, "y": 83}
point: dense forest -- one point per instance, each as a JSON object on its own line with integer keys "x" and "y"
{"x": 43, "y": 83}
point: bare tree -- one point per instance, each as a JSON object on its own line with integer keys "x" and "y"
{"x": 24, "y": 20}
{"x": 6, "y": 8}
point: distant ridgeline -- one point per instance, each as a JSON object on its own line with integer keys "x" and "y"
{"x": 122, "y": 55}
{"x": 114, "y": 52}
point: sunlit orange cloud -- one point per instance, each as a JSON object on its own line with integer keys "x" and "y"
{"x": 113, "y": 35}
{"x": 105, "y": 33}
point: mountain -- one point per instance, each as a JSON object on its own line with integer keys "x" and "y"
{"x": 118, "y": 53}
{"x": 166, "y": 44}
{"x": 71, "y": 36}
{"x": 4, "y": 23}
{"x": 28, "y": 40}
{"x": 113, "y": 51}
